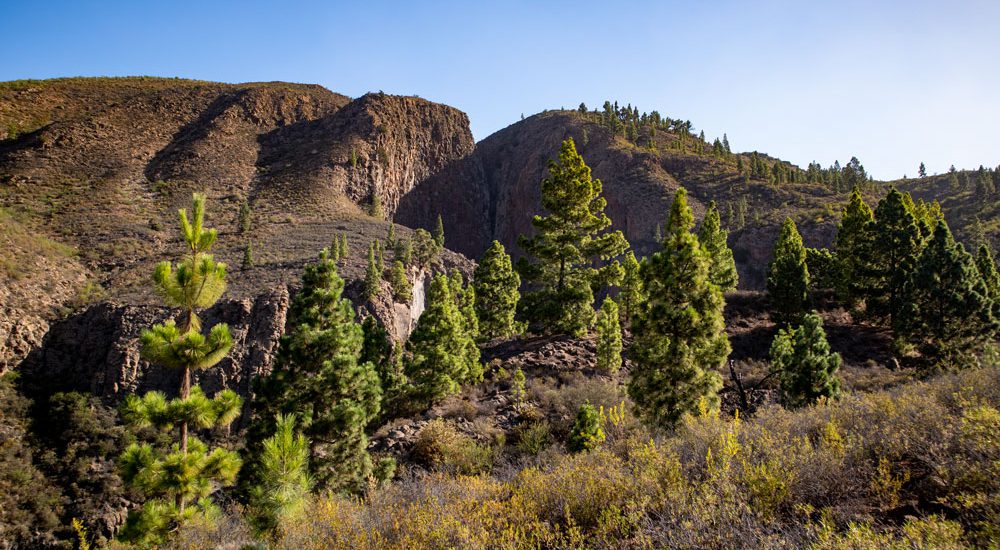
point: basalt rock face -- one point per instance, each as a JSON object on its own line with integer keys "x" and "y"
{"x": 97, "y": 350}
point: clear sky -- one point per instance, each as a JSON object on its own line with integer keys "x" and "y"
{"x": 892, "y": 82}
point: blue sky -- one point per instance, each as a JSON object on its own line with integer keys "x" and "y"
{"x": 892, "y": 82}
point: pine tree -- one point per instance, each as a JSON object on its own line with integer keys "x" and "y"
{"x": 402, "y": 288}
{"x": 442, "y": 355}
{"x": 335, "y": 248}
{"x": 822, "y": 267}
{"x": 922, "y": 171}
{"x": 465, "y": 300}
{"x": 390, "y": 237}
{"x": 378, "y": 349}
{"x": 247, "y": 258}
{"x": 439, "y": 233}
{"x": 630, "y": 295}
{"x": 891, "y": 257}
{"x": 379, "y": 256}
{"x": 586, "y": 433}
{"x": 284, "y": 476}
{"x": 722, "y": 270}
{"x": 243, "y": 218}
{"x": 679, "y": 333}
{"x": 373, "y": 276}
{"x": 947, "y": 313}
{"x": 854, "y": 239}
{"x": 806, "y": 367}
{"x": 317, "y": 377}
{"x": 178, "y": 481}
{"x": 609, "y": 337}
{"x": 496, "y": 285}
{"x": 788, "y": 275}
{"x": 518, "y": 391}
{"x": 344, "y": 248}
{"x": 568, "y": 242}
{"x": 404, "y": 251}
{"x": 987, "y": 268}
{"x": 425, "y": 250}
{"x": 375, "y": 209}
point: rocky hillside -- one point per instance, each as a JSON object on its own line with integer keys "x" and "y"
{"x": 494, "y": 192}
{"x": 93, "y": 170}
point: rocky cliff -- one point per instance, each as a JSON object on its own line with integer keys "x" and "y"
{"x": 494, "y": 192}
{"x": 92, "y": 172}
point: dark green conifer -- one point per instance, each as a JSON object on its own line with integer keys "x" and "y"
{"x": 465, "y": 300}
{"x": 895, "y": 246}
{"x": 586, "y": 433}
{"x": 425, "y": 250}
{"x": 569, "y": 241}
{"x": 712, "y": 237}
{"x": 947, "y": 313}
{"x": 404, "y": 251}
{"x": 609, "y": 337}
{"x": 496, "y": 285}
{"x": 679, "y": 332}
{"x": 390, "y": 237}
{"x": 317, "y": 376}
{"x": 402, "y": 288}
{"x": 854, "y": 239}
{"x": 247, "y": 257}
{"x": 988, "y": 271}
{"x": 243, "y": 219}
{"x": 806, "y": 367}
{"x": 178, "y": 481}
{"x": 788, "y": 275}
{"x": 439, "y": 233}
{"x": 442, "y": 354}
{"x": 373, "y": 275}
{"x": 630, "y": 294}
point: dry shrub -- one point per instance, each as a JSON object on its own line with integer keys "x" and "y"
{"x": 441, "y": 446}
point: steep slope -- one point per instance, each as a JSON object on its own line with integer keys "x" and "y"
{"x": 98, "y": 168}
{"x": 494, "y": 192}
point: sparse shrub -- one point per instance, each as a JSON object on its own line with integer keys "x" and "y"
{"x": 440, "y": 446}
{"x": 533, "y": 437}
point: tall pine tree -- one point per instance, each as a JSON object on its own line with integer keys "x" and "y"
{"x": 987, "y": 268}
{"x": 630, "y": 295}
{"x": 788, "y": 275}
{"x": 679, "y": 334}
{"x": 318, "y": 378}
{"x": 178, "y": 481}
{"x": 569, "y": 241}
{"x": 609, "y": 337}
{"x": 947, "y": 313}
{"x": 712, "y": 238}
{"x": 443, "y": 356}
{"x": 806, "y": 367}
{"x": 888, "y": 262}
{"x": 852, "y": 244}
{"x": 496, "y": 285}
